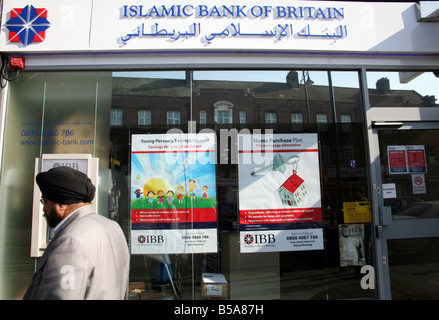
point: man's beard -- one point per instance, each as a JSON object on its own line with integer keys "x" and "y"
{"x": 53, "y": 220}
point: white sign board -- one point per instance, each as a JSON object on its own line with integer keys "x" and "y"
{"x": 389, "y": 190}
{"x": 116, "y": 25}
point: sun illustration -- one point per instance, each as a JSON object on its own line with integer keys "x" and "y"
{"x": 154, "y": 185}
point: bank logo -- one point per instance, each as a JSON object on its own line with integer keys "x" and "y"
{"x": 248, "y": 239}
{"x": 73, "y": 165}
{"x": 152, "y": 239}
{"x": 141, "y": 239}
{"x": 27, "y": 25}
{"x": 260, "y": 239}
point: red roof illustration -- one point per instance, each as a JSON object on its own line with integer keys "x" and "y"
{"x": 292, "y": 183}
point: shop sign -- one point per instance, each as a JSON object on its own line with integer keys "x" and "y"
{"x": 279, "y": 193}
{"x": 173, "y": 194}
{"x": 116, "y": 25}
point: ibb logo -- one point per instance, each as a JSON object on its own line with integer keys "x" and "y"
{"x": 150, "y": 239}
{"x": 141, "y": 239}
{"x": 248, "y": 239}
{"x": 259, "y": 238}
{"x": 73, "y": 165}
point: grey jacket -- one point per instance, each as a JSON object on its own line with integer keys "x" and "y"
{"x": 87, "y": 258}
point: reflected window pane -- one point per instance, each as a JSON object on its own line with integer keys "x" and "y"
{"x": 173, "y": 117}
{"x": 270, "y": 118}
{"x": 144, "y": 117}
{"x": 116, "y": 117}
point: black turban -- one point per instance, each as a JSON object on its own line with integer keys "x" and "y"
{"x": 65, "y": 185}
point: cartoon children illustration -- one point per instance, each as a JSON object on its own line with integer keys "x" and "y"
{"x": 192, "y": 186}
{"x": 160, "y": 195}
{"x": 138, "y": 194}
{"x": 180, "y": 190}
{"x": 150, "y": 195}
{"x": 205, "y": 192}
{"x": 169, "y": 196}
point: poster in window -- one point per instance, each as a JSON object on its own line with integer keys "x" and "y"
{"x": 279, "y": 193}
{"x": 407, "y": 159}
{"x": 351, "y": 243}
{"x": 397, "y": 159}
{"x": 173, "y": 194}
{"x": 416, "y": 160}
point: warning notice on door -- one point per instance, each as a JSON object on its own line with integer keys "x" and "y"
{"x": 416, "y": 161}
{"x": 407, "y": 159}
{"x": 397, "y": 159}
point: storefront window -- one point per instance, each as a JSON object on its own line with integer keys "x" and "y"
{"x": 105, "y": 113}
{"x": 284, "y": 102}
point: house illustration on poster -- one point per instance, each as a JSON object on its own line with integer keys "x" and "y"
{"x": 292, "y": 192}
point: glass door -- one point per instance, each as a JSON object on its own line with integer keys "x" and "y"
{"x": 409, "y": 161}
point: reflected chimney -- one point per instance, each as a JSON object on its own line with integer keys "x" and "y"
{"x": 383, "y": 86}
{"x": 293, "y": 79}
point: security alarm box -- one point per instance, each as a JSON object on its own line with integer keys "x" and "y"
{"x": 41, "y": 233}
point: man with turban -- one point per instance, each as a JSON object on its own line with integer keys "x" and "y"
{"x": 88, "y": 256}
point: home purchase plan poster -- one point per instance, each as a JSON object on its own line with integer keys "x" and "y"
{"x": 279, "y": 193}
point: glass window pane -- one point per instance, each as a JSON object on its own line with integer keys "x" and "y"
{"x": 116, "y": 106}
{"x": 403, "y": 89}
{"x": 242, "y": 117}
{"x": 116, "y": 117}
{"x": 411, "y": 170}
{"x": 287, "y": 98}
{"x": 270, "y": 118}
{"x": 52, "y": 112}
{"x": 203, "y": 116}
{"x": 145, "y": 117}
{"x": 166, "y": 95}
{"x": 413, "y": 268}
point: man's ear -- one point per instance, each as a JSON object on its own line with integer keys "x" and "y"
{"x": 61, "y": 209}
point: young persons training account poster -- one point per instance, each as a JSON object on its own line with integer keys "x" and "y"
{"x": 279, "y": 193}
{"x": 173, "y": 194}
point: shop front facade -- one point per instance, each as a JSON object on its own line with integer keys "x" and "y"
{"x": 257, "y": 151}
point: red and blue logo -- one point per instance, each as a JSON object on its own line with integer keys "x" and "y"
{"x": 248, "y": 239}
{"x": 27, "y": 25}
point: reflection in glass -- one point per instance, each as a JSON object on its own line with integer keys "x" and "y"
{"x": 48, "y": 112}
{"x": 126, "y": 103}
{"x": 283, "y": 101}
{"x": 414, "y": 265}
{"x": 403, "y": 89}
